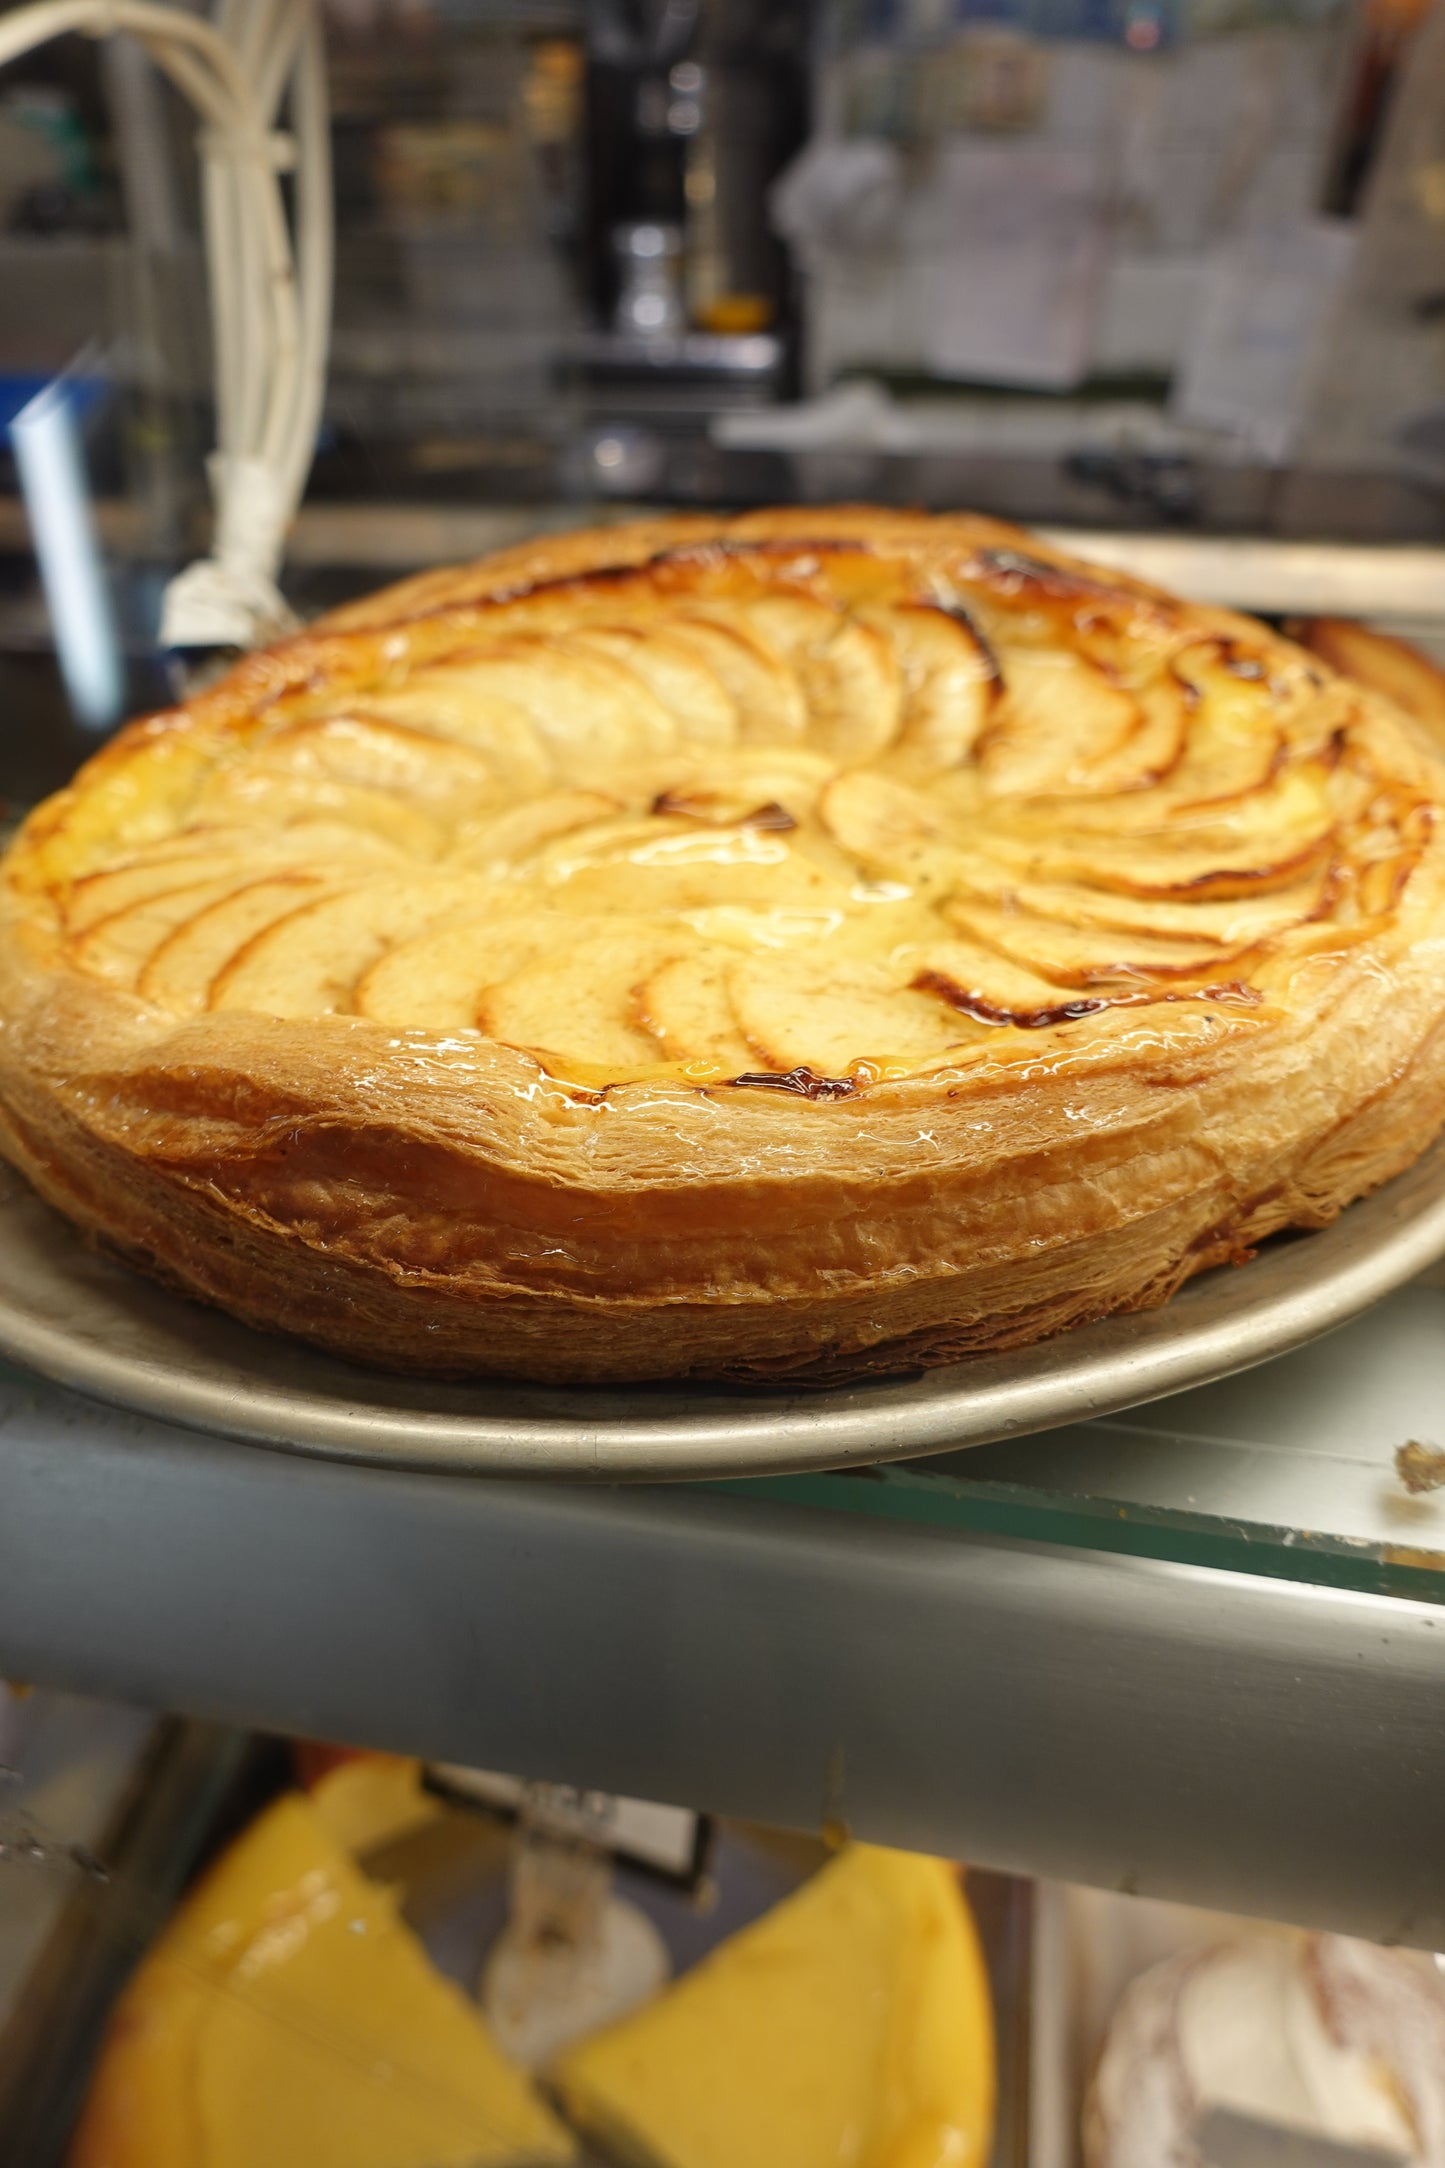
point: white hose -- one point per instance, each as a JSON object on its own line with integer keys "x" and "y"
{"x": 270, "y": 293}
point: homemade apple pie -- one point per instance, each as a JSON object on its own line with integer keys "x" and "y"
{"x": 796, "y": 945}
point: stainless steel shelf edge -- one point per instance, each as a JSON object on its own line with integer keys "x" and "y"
{"x": 89, "y": 1324}
{"x": 1258, "y": 572}
{"x": 1231, "y": 1739}
{"x": 1390, "y": 580}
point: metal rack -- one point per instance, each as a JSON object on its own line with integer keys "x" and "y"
{"x": 1198, "y": 1651}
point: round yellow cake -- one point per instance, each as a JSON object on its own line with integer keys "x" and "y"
{"x": 790, "y": 946}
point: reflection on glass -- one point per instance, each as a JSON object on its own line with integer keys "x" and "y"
{"x": 57, "y": 502}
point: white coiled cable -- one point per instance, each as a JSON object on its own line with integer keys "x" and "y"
{"x": 270, "y": 287}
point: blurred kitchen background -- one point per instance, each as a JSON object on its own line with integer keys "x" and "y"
{"x": 1145, "y": 264}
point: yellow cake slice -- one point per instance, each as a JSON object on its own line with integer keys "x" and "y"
{"x": 288, "y": 2016}
{"x": 369, "y": 1799}
{"x": 850, "y": 2027}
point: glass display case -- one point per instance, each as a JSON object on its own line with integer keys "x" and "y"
{"x": 182, "y": 1904}
{"x": 1168, "y": 1675}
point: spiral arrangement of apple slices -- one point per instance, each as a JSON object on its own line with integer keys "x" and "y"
{"x": 801, "y": 815}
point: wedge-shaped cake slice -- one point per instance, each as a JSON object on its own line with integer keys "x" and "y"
{"x": 289, "y": 2017}
{"x": 851, "y": 2024}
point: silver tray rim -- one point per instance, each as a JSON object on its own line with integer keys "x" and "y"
{"x": 84, "y": 1322}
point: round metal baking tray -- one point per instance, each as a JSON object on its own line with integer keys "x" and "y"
{"x": 85, "y": 1322}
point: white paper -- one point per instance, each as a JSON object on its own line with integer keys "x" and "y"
{"x": 1258, "y": 340}
{"x": 1011, "y": 250}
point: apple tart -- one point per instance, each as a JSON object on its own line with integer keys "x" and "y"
{"x": 795, "y": 945}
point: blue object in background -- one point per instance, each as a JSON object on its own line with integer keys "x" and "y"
{"x": 45, "y": 436}
{"x": 18, "y": 389}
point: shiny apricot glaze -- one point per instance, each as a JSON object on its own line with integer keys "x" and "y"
{"x": 871, "y": 816}
{"x": 776, "y": 813}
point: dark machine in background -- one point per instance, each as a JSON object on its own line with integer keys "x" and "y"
{"x": 693, "y": 108}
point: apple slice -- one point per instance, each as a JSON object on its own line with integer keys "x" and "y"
{"x": 1084, "y": 955}
{"x": 660, "y": 864}
{"x": 950, "y": 681}
{"x": 589, "y": 710}
{"x": 191, "y": 854}
{"x": 1207, "y": 872}
{"x": 848, "y": 671}
{"x": 686, "y": 1006}
{"x": 702, "y": 710}
{"x": 988, "y": 992}
{"x": 100, "y": 896}
{"x": 577, "y": 1000}
{"x": 795, "y": 1015}
{"x": 257, "y": 794}
{"x": 1296, "y": 793}
{"x": 436, "y": 981}
{"x": 117, "y": 948}
{"x": 209, "y": 849}
{"x": 748, "y": 784}
{"x": 310, "y": 962}
{"x": 1056, "y": 727}
{"x": 764, "y": 690}
{"x": 1236, "y": 742}
{"x": 1232, "y": 923}
{"x": 1151, "y": 753}
{"x": 179, "y": 973}
{"x": 455, "y": 703}
{"x": 137, "y": 792}
{"x": 499, "y": 843}
{"x": 893, "y": 831}
{"x": 968, "y": 976}
{"x": 1141, "y": 769}
{"x": 443, "y": 776}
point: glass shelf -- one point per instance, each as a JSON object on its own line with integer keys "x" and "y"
{"x": 1197, "y": 1650}
{"x": 1287, "y": 1470}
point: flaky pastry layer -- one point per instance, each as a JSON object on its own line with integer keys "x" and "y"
{"x": 790, "y": 946}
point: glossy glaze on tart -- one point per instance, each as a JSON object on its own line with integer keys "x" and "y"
{"x": 790, "y": 946}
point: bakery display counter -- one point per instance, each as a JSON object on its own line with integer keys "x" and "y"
{"x": 1197, "y": 1650}
{"x": 223, "y": 1950}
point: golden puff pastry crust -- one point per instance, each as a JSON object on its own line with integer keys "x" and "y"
{"x": 789, "y": 946}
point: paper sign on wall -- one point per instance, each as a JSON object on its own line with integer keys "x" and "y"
{"x": 1258, "y": 337}
{"x": 1011, "y": 255}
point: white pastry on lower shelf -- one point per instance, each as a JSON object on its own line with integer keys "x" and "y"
{"x": 1315, "y": 2033}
